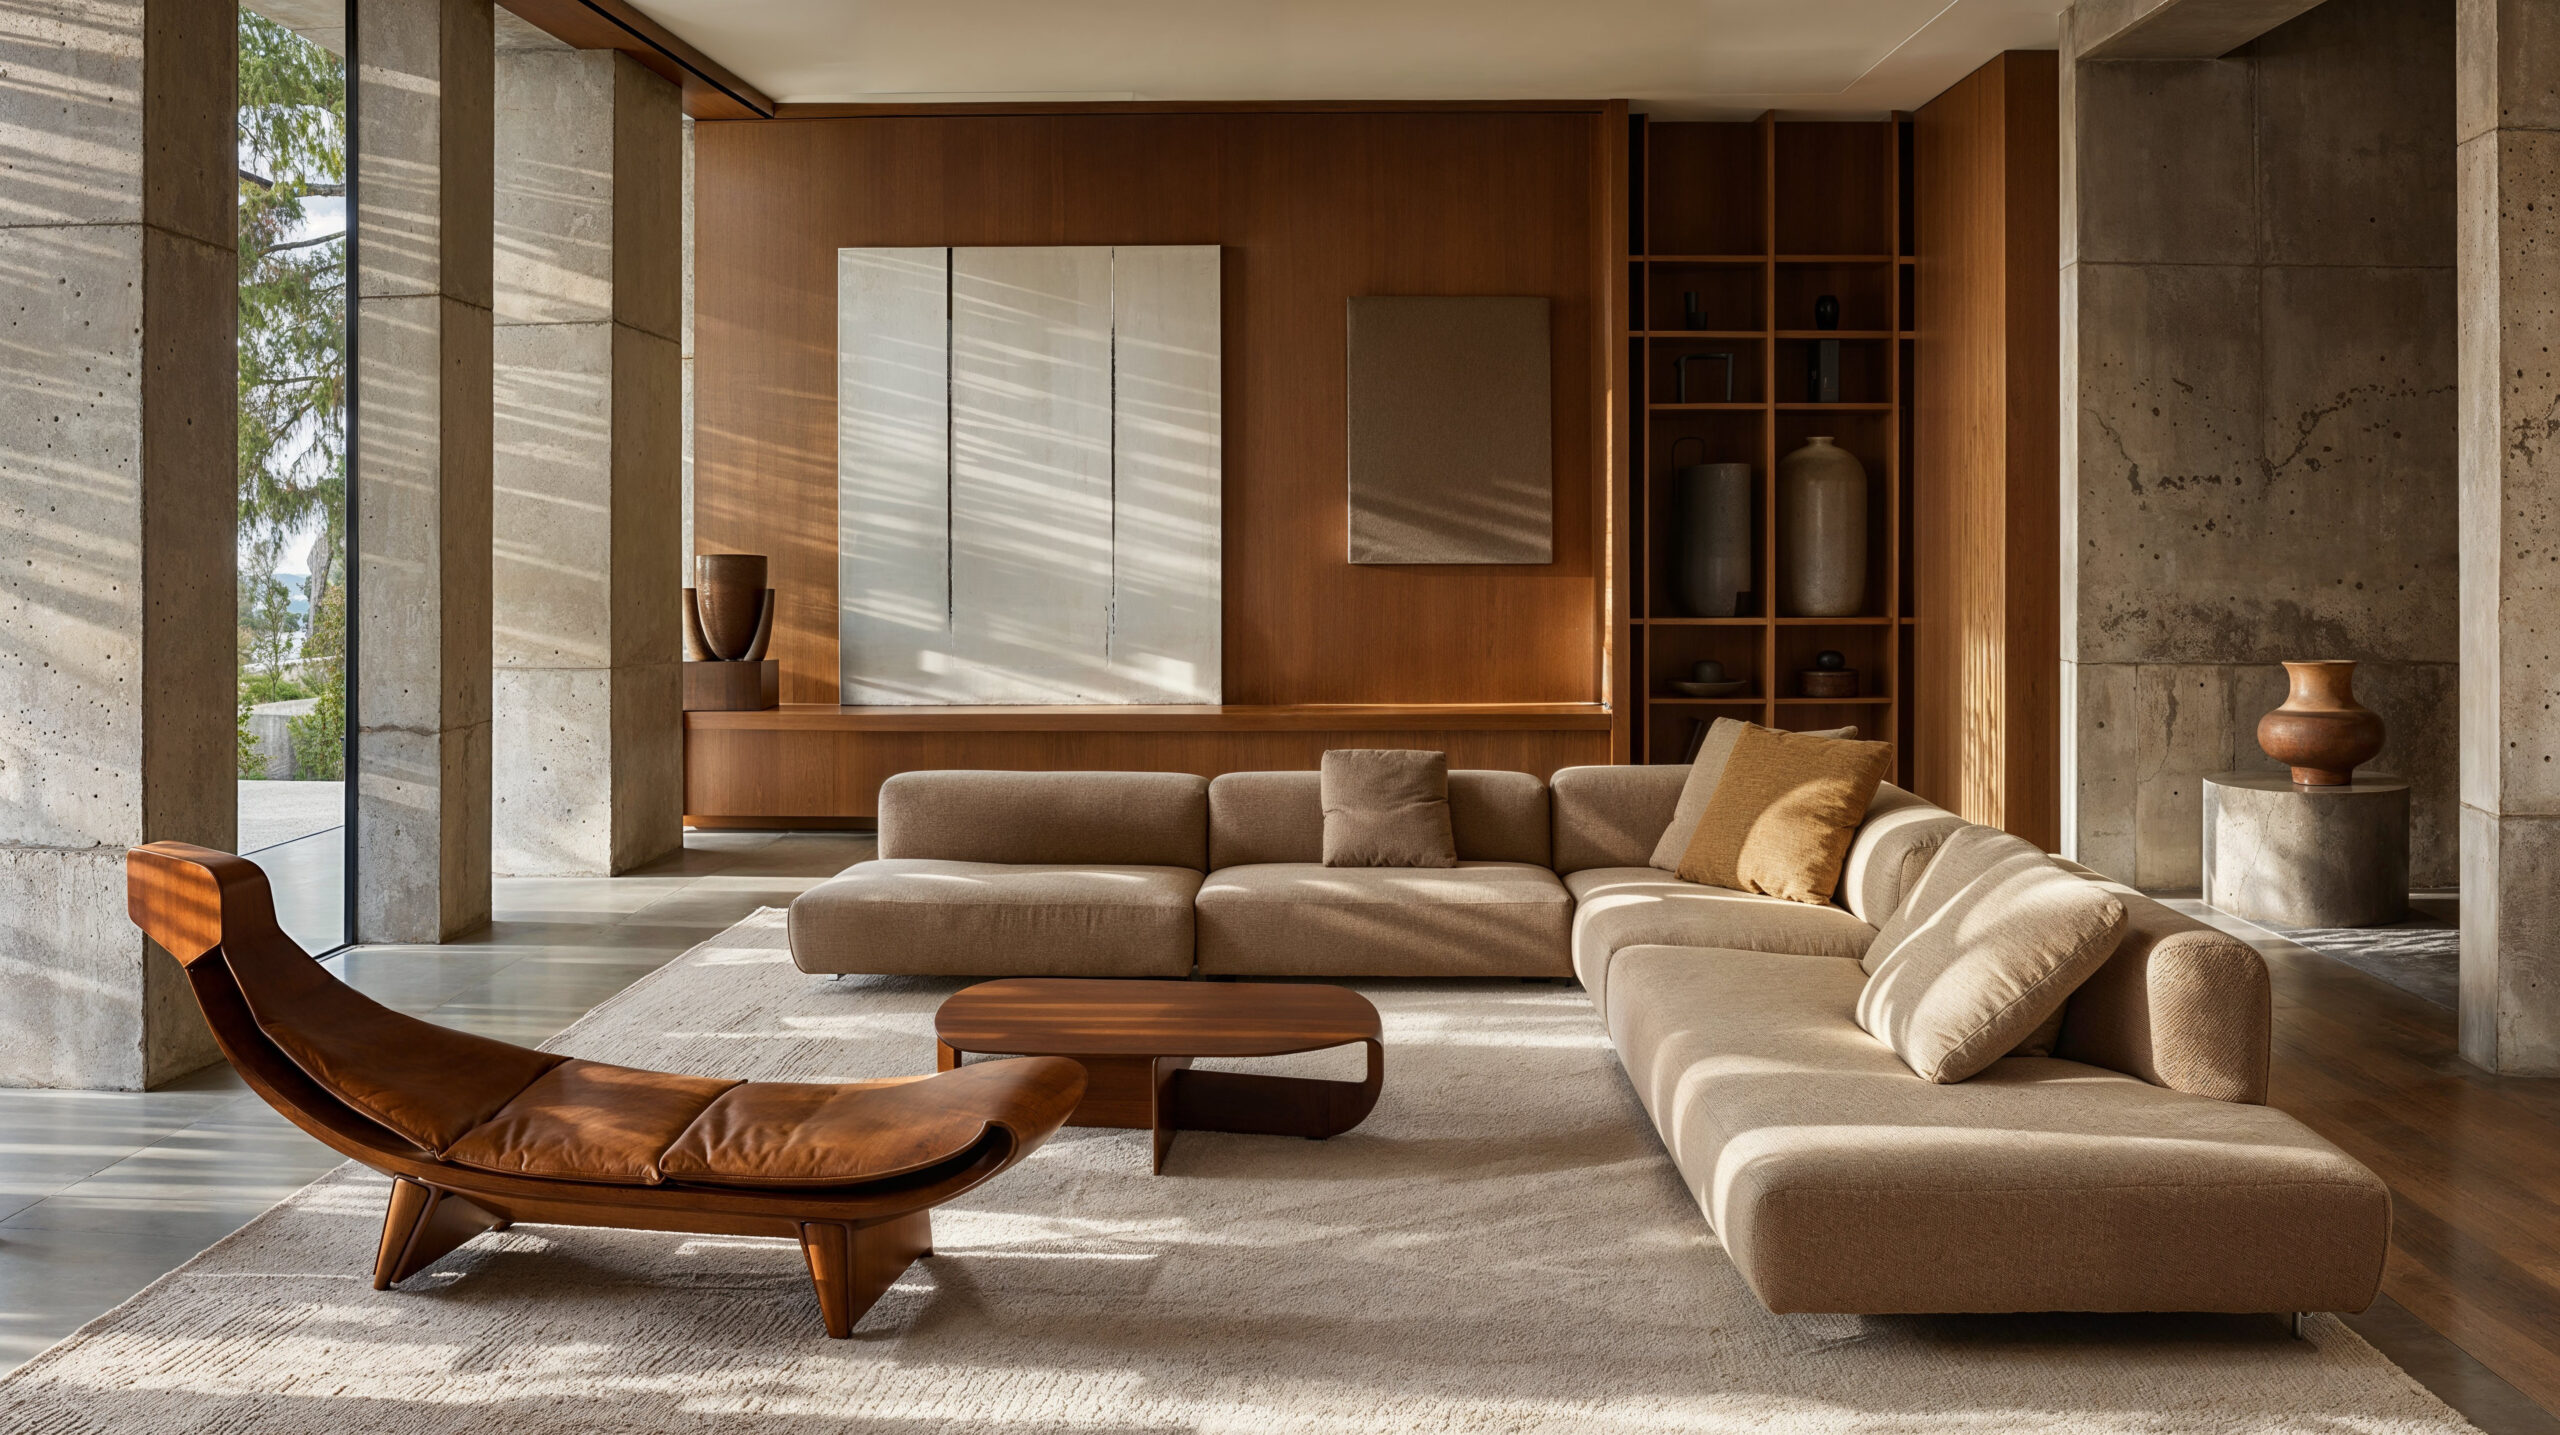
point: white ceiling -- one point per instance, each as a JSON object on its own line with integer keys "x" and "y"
{"x": 1674, "y": 58}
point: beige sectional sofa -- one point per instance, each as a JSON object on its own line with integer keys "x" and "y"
{"x": 2134, "y": 1167}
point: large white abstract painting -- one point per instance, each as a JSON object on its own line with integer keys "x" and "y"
{"x": 1028, "y": 468}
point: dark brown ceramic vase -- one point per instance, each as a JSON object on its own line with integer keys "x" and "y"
{"x": 2321, "y": 732}
{"x": 729, "y": 594}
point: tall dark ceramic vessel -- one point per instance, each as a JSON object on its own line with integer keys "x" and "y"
{"x": 1712, "y": 507}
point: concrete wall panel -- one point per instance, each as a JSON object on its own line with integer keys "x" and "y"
{"x": 2260, "y": 369}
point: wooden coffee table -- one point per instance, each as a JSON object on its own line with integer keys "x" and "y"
{"x": 1137, "y": 1040}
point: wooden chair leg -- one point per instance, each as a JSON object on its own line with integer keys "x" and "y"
{"x": 420, "y": 1226}
{"x": 853, "y": 1266}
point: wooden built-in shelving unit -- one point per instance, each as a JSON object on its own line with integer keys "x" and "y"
{"x": 1758, "y": 218}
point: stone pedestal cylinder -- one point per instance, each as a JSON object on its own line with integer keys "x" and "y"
{"x": 2295, "y": 856}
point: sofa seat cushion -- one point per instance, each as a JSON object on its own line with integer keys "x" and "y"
{"x": 1841, "y": 1182}
{"x": 1620, "y": 907}
{"x": 923, "y": 915}
{"x": 1477, "y": 919}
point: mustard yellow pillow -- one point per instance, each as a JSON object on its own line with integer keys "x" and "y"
{"x": 1784, "y": 813}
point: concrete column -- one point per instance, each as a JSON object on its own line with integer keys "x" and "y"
{"x": 588, "y": 734}
{"x": 422, "y": 468}
{"x": 118, "y": 278}
{"x": 2507, "y": 110}
{"x": 684, "y": 550}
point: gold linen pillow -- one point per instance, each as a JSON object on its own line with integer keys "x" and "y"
{"x": 1784, "y": 814}
{"x": 1705, "y": 771}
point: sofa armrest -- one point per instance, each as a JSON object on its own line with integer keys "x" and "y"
{"x": 1612, "y": 816}
{"x": 2180, "y": 1004}
{"x": 1113, "y": 819}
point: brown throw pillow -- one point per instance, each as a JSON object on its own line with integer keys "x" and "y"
{"x": 1983, "y": 954}
{"x": 1387, "y": 807}
{"x": 1705, "y": 771}
{"x": 1785, "y": 813}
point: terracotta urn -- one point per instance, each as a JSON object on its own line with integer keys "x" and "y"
{"x": 2321, "y": 732}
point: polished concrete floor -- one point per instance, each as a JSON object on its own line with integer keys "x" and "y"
{"x": 101, "y": 1193}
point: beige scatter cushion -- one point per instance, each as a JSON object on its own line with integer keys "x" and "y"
{"x": 1784, "y": 813}
{"x": 1387, "y": 807}
{"x": 1705, "y": 771}
{"x": 1983, "y": 954}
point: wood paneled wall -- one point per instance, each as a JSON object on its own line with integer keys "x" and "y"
{"x": 1312, "y": 206}
{"x": 1986, "y": 542}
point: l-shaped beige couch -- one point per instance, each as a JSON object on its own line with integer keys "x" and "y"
{"x": 2135, "y": 1168}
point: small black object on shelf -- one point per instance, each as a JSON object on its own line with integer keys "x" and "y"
{"x": 1680, "y": 374}
{"x": 1829, "y": 677}
{"x": 1693, "y": 312}
{"x": 1822, "y": 358}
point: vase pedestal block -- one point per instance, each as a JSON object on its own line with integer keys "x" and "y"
{"x": 717, "y": 687}
{"x": 2279, "y": 852}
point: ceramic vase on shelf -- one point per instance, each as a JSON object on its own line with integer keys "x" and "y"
{"x": 1822, "y": 531}
{"x": 1711, "y": 505}
{"x": 2321, "y": 731}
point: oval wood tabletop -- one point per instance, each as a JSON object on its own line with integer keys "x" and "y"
{"x": 1067, "y": 1016}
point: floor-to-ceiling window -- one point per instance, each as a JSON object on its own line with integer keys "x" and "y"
{"x": 294, "y": 578}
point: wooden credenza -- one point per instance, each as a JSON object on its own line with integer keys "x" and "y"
{"x": 819, "y": 765}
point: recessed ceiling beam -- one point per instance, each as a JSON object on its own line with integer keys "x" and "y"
{"x": 711, "y": 92}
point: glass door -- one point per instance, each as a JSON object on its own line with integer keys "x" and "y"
{"x": 295, "y": 583}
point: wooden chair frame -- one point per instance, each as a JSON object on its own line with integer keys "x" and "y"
{"x": 197, "y": 903}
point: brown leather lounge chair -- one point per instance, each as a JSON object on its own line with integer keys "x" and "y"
{"x": 476, "y": 1134}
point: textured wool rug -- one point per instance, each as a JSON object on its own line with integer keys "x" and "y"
{"x": 1502, "y": 1246}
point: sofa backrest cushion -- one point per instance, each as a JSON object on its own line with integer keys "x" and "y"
{"x": 1387, "y": 807}
{"x": 1259, "y": 817}
{"x": 1985, "y": 950}
{"x": 1613, "y": 816}
{"x": 1112, "y": 819}
{"x": 1893, "y": 847}
{"x": 2180, "y": 1004}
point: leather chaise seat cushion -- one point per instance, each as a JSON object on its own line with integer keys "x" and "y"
{"x": 800, "y": 1133}
{"x": 587, "y": 1121}
{"x": 428, "y": 1084}
{"x": 492, "y": 1106}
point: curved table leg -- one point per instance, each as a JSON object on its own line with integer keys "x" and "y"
{"x": 1254, "y": 1104}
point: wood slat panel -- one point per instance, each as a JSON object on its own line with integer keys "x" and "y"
{"x": 1323, "y": 717}
{"x": 776, "y": 774}
{"x": 1986, "y": 506}
{"x": 1312, "y": 208}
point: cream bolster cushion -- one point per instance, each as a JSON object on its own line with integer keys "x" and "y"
{"x": 1387, "y": 807}
{"x": 1983, "y": 953}
{"x": 1705, "y": 771}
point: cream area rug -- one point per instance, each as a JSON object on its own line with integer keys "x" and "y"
{"x": 1503, "y": 1246}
